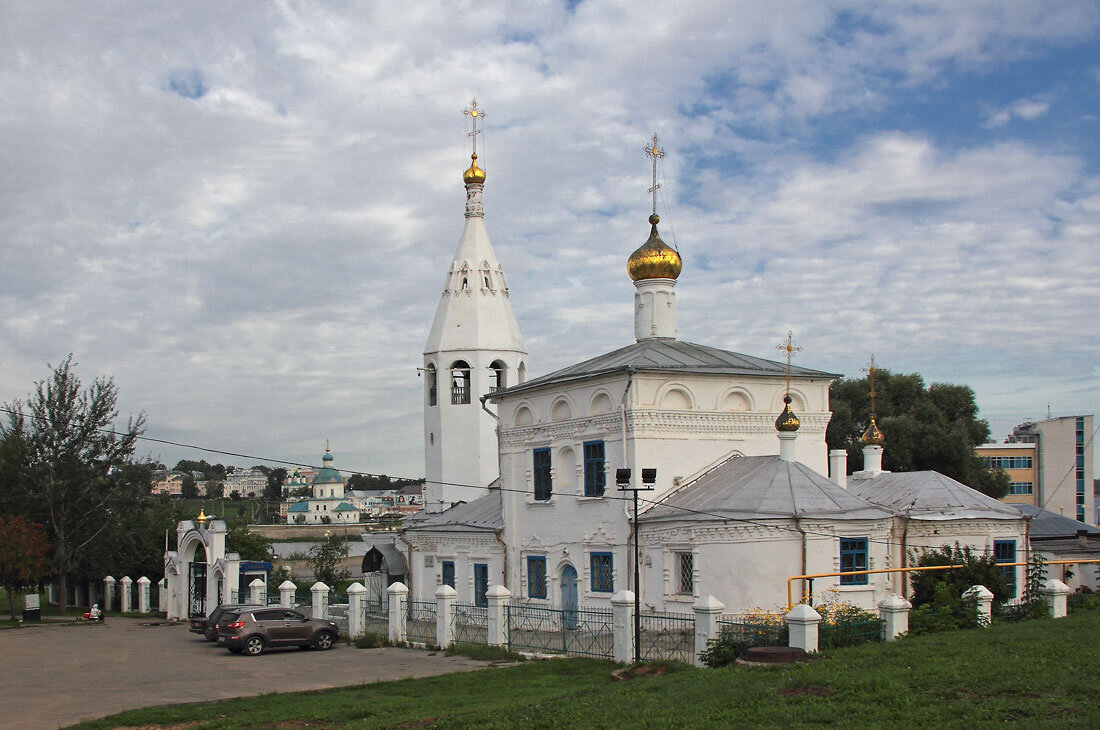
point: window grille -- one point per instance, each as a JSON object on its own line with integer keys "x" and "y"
{"x": 853, "y": 556}
{"x": 685, "y": 573}
{"x": 536, "y": 577}
{"x": 603, "y": 574}
{"x": 543, "y": 481}
{"x": 594, "y": 473}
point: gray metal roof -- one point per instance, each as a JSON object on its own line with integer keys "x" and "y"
{"x": 760, "y": 488}
{"x": 669, "y": 355}
{"x": 1046, "y": 524}
{"x": 932, "y": 495}
{"x": 484, "y": 513}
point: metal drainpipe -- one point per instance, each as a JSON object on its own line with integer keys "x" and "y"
{"x": 805, "y": 570}
{"x": 905, "y": 555}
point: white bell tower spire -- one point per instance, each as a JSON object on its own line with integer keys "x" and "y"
{"x": 474, "y": 347}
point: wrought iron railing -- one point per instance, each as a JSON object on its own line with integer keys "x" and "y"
{"x": 460, "y": 395}
{"x": 420, "y": 626}
{"x": 338, "y": 613}
{"x": 667, "y": 636}
{"x": 374, "y": 617}
{"x": 470, "y": 624}
{"x": 848, "y": 633}
{"x": 577, "y": 632}
{"x": 745, "y": 631}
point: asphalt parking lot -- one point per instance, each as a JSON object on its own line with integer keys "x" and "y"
{"x": 61, "y": 674}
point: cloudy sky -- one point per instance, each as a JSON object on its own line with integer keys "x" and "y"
{"x": 244, "y": 211}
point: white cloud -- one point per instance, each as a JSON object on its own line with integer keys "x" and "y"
{"x": 1028, "y": 109}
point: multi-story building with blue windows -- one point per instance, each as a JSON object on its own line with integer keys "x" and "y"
{"x": 1063, "y": 464}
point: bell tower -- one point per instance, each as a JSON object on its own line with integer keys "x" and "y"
{"x": 474, "y": 348}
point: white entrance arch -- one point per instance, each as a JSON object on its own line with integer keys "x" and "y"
{"x": 221, "y": 570}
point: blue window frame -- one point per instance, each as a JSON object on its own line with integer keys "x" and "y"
{"x": 481, "y": 584}
{"x": 603, "y": 569}
{"x": 594, "y": 475}
{"x": 536, "y": 576}
{"x": 543, "y": 484}
{"x": 1004, "y": 551}
{"x": 853, "y": 556}
{"x": 448, "y": 573}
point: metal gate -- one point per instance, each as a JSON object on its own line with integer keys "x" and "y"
{"x": 197, "y": 590}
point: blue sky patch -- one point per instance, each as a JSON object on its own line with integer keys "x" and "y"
{"x": 188, "y": 83}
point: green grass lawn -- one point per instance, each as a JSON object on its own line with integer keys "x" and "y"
{"x": 1035, "y": 674}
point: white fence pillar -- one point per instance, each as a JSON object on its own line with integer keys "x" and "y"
{"x": 286, "y": 594}
{"x": 257, "y": 591}
{"x": 357, "y": 596}
{"x": 622, "y": 626}
{"x": 320, "y": 599}
{"x": 162, "y": 595}
{"x": 143, "y": 594}
{"x": 708, "y": 610}
{"x": 445, "y": 597}
{"x": 1055, "y": 593}
{"x": 78, "y": 594}
{"x": 127, "y": 593}
{"x": 983, "y": 603}
{"x": 51, "y": 593}
{"x": 802, "y": 624}
{"x": 398, "y": 596}
{"x": 894, "y": 610}
{"x": 108, "y": 593}
{"x": 497, "y": 624}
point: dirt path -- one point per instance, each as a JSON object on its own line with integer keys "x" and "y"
{"x": 58, "y": 675}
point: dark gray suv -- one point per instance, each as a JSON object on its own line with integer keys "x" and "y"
{"x": 255, "y": 629}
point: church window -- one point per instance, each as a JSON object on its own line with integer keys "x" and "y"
{"x": 1004, "y": 551}
{"x": 447, "y": 573}
{"x": 536, "y": 576}
{"x": 481, "y": 584}
{"x": 603, "y": 574}
{"x": 853, "y": 556}
{"x": 685, "y": 573}
{"x": 543, "y": 481}
{"x": 430, "y": 378}
{"x": 497, "y": 378}
{"x": 460, "y": 383}
{"x": 594, "y": 474}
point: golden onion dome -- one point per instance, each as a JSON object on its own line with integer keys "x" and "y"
{"x": 654, "y": 259}
{"x": 787, "y": 420}
{"x": 872, "y": 436}
{"x": 202, "y": 515}
{"x": 473, "y": 174}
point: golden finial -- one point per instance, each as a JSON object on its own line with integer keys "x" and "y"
{"x": 787, "y": 420}
{"x": 654, "y": 151}
{"x": 202, "y": 513}
{"x": 654, "y": 259}
{"x": 473, "y": 174}
{"x": 872, "y": 436}
{"x": 791, "y": 350}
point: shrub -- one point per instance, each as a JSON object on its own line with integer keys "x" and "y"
{"x": 977, "y": 570}
{"x": 946, "y": 611}
{"x": 371, "y": 640}
{"x": 485, "y": 652}
{"x": 756, "y": 627}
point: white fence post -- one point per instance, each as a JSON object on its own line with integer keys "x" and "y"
{"x": 286, "y": 594}
{"x": 143, "y": 594}
{"x": 894, "y": 611}
{"x": 357, "y": 593}
{"x": 127, "y": 595}
{"x": 1055, "y": 593}
{"x": 51, "y": 593}
{"x": 497, "y": 623}
{"x": 108, "y": 593}
{"x": 320, "y": 599}
{"x": 983, "y": 601}
{"x": 708, "y": 610}
{"x": 256, "y": 590}
{"x": 444, "y": 615}
{"x": 78, "y": 594}
{"x": 162, "y": 595}
{"x": 622, "y": 626}
{"x": 802, "y": 625}
{"x": 398, "y": 596}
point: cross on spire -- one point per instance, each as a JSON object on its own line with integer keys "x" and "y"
{"x": 871, "y": 370}
{"x": 791, "y": 349}
{"x": 474, "y": 112}
{"x": 654, "y": 151}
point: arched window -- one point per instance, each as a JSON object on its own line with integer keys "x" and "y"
{"x": 431, "y": 384}
{"x": 460, "y": 382}
{"x": 498, "y": 379}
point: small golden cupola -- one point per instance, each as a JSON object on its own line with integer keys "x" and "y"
{"x": 654, "y": 259}
{"x": 473, "y": 174}
{"x": 872, "y": 436}
{"x": 787, "y": 422}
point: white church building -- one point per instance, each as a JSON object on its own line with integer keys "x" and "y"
{"x": 522, "y": 473}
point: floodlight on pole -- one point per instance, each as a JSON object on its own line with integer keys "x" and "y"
{"x": 622, "y": 479}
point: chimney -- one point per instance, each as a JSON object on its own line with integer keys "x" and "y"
{"x": 872, "y": 459}
{"x": 1083, "y": 538}
{"x": 786, "y": 445}
{"x": 838, "y": 467}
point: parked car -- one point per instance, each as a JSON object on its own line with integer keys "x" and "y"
{"x": 252, "y": 630}
{"x": 208, "y": 626}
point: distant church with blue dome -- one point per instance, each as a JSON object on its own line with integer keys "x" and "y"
{"x": 328, "y": 504}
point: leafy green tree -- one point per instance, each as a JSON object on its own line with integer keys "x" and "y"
{"x": 275, "y": 479}
{"x": 325, "y": 560}
{"x": 934, "y": 428}
{"x": 209, "y": 471}
{"x": 215, "y": 489}
{"x": 249, "y": 545}
{"x": 70, "y": 477}
{"x": 978, "y": 569}
{"x": 189, "y": 489}
{"x": 24, "y": 556}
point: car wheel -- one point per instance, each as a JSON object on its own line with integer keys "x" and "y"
{"x": 324, "y": 640}
{"x": 235, "y": 649}
{"x": 254, "y": 646}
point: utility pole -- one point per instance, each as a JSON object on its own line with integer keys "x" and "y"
{"x": 622, "y": 479}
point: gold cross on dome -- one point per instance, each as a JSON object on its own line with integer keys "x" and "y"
{"x": 791, "y": 349}
{"x": 474, "y": 112}
{"x": 871, "y": 370}
{"x": 654, "y": 151}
